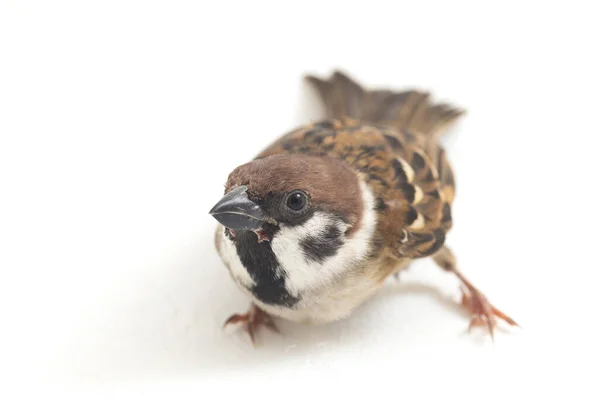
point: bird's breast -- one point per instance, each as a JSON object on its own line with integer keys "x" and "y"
{"x": 290, "y": 287}
{"x": 313, "y": 272}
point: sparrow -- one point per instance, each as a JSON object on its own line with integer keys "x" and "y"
{"x": 312, "y": 227}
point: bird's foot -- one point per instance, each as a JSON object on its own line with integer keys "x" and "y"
{"x": 252, "y": 320}
{"x": 484, "y": 313}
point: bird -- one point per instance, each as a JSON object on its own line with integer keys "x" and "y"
{"x": 312, "y": 226}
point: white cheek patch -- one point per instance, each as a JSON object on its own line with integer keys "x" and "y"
{"x": 231, "y": 259}
{"x": 305, "y": 273}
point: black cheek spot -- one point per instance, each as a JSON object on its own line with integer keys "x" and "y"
{"x": 319, "y": 248}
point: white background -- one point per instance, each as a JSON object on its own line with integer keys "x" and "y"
{"x": 120, "y": 120}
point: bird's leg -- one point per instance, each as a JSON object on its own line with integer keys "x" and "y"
{"x": 252, "y": 320}
{"x": 484, "y": 313}
{"x": 399, "y": 268}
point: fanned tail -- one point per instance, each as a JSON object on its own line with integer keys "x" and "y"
{"x": 410, "y": 110}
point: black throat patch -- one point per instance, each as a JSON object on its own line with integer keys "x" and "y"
{"x": 262, "y": 265}
{"x": 319, "y": 248}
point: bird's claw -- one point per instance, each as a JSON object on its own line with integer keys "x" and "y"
{"x": 252, "y": 320}
{"x": 484, "y": 313}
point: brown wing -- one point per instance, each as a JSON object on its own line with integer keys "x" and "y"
{"x": 413, "y": 215}
{"x": 411, "y": 114}
{"x": 392, "y": 140}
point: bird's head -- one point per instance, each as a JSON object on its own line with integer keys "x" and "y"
{"x": 286, "y": 190}
{"x": 294, "y": 225}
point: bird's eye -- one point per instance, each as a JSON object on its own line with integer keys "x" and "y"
{"x": 296, "y": 201}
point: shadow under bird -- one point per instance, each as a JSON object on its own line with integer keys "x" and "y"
{"x": 312, "y": 227}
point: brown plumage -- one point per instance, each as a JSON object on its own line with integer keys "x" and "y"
{"x": 264, "y": 176}
{"x": 390, "y": 140}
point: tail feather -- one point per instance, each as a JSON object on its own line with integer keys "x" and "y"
{"x": 413, "y": 110}
{"x": 341, "y": 96}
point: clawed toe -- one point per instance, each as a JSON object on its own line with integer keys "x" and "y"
{"x": 484, "y": 313}
{"x": 252, "y": 320}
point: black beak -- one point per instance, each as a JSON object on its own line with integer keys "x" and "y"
{"x": 236, "y": 211}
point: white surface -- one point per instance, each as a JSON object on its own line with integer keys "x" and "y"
{"x": 120, "y": 121}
